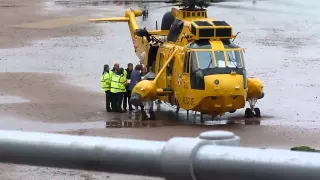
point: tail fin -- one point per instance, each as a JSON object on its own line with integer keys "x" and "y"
{"x": 130, "y": 17}
{"x": 139, "y": 40}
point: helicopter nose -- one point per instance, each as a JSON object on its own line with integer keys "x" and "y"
{"x": 262, "y": 96}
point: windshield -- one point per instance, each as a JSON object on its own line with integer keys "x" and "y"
{"x": 243, "y": 64}
{"x": 234, "y": 59}
{"x": 216, "y": 59}
{"x": 205, "y": 59}
{"x": 220, "y": 58}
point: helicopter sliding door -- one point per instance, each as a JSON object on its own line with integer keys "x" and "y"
{"x": 185, "y": 79}
{"x": 169, "y": 75}
{"x": 184, "y": 82}
{"x": 163, "y": 78}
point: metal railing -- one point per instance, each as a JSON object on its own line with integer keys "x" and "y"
{"x": 212, "y": 155}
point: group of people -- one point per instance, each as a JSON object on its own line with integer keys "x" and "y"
{"x": 118, "y": 84}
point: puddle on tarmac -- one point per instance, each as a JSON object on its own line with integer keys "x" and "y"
{"x": 168, "y": 117}
{"x": 112, "y": 120}
{"x": 164, "y": 117}
{"x": 12, "y": 99}
{"x": 138, "y": 124}
{"x": 142, "y": 119}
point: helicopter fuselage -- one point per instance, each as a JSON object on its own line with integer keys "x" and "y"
{"x": 197, "y": 67}
{"x": 200, "y": 80}
{"x": 200, "y": 74}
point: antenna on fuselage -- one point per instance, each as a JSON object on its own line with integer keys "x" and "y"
{"x": 235, "y": 36}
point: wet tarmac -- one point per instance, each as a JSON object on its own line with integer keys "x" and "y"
{"x": 50, "y": 65}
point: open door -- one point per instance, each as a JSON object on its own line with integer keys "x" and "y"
{"x": 186, "y": 72}
{"x": 163, "y": 78}
{"x": 169, "y": 78}
{"x": 184, "y": 80}
{"x": 152, "y": 56}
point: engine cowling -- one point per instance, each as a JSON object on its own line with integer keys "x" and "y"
{"x": 255, "y": 88}
{"x": 143, "y": 91}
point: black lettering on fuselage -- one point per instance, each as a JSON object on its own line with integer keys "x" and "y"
{"x": 188, "y": 101}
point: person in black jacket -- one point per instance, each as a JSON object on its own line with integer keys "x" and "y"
{"x": 127, "y": 94}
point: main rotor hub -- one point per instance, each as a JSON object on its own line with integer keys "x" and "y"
{"x": 187, "y": 13}
{"x": 194, "y": 4}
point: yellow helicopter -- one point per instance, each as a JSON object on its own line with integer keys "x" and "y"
{"x": 197, "y": 66}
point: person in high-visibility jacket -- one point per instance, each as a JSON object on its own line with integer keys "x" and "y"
{"x": 123, "y": 83}
{"x": 117, "y": 88}
{"x": 113, "y": 96}
{"x": 105, "y": 83}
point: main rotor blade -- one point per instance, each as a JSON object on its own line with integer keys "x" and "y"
{"x": 164, "y": 6}
{"x": 101, "y": 2}
{"x": 245, "y": 8}
{"x": 220, "y": 1}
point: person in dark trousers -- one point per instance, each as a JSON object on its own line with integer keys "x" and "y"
{"x": 127, "y": 94}
{"x": 105, "y": 85}
{"x": 149, "y": 76}
{"x": 121, "y": 78}
{"x": 135, "y": 78}
{"x": 114, "y": 87}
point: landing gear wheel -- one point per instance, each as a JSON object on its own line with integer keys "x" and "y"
{"x": 252, "y": 111}
{"x": 257, "y": 112}
{"x": 178, "y": 106}
{"x": 248, "y": 113}
{"x": 152, "y": 115}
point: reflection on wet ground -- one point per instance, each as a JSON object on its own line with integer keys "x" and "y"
{"x": 163, "y": 117}
{"x": 166, "y": 116}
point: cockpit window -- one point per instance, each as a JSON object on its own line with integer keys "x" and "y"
{"x": 220, "y": 58}
{"x": 200, "y": 44}
{"x": 234, "y": 59}
{"x": 194, "y": 65}
{"x": 205, "y": 59}
{"x": 242, "y": 58}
